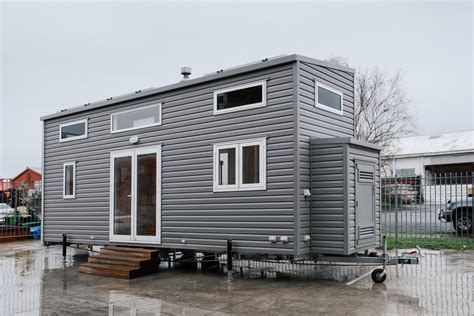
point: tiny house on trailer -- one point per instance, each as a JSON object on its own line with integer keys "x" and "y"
{"x": 261, "y": 154}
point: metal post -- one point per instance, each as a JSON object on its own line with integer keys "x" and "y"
{"x": 396, "y": 213}
{"x": 64, "y": 246}
{"x": 229, "y": 260}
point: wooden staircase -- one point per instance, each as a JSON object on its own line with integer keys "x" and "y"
{"x": 122, "y": 262}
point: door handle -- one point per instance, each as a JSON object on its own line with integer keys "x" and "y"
{"x": 130, "y": 195}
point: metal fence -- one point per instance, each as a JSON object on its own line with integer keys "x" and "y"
{"x": 435, "y": 209}
{"x": 20, "y": 210}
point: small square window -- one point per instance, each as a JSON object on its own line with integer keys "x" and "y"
{"x": 240, "y": 166}
{"x": 329, "y": 99}
{"x": 243, "y": 97}
{"x": 73, "y": 130}
{"x": 69, "y": 180}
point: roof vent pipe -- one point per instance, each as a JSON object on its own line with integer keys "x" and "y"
{"x": 186, "y": 72}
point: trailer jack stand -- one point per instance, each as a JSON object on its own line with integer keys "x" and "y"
{"x": 409, "y": 257}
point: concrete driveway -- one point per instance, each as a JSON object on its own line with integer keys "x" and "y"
{"x": 35, "y": 281}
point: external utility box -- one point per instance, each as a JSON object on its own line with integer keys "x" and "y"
{"x": 345, "y": 195}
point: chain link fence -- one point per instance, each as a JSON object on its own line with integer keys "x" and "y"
{"x": 20, "y": 210}
{"x": 435, "y": 209}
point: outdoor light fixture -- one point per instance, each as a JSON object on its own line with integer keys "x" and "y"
{"x": 134, "y": 139}
{"x": 306, "y": 193}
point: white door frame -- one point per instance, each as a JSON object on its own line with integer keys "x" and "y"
{"x": 133, "y": 238}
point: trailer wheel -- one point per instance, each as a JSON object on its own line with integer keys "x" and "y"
{"x": 377, "y": 276}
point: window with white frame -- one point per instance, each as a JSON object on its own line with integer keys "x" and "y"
{"x": 69, "y": 180}
{"x": 242, "y": 97}
{"x": 146, "y": 116}
{"x": 240, "y": 165}
{"x": 73, "y": 130}
{"x": 329, "y": 99}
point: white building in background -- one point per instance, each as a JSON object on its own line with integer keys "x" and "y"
{"x": 430, "y": 154}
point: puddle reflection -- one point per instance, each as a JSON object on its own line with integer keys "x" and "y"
{"x": 121, "y": 304}
{"x": 35, "y": 280}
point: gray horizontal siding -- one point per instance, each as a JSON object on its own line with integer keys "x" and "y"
{"x": 190, "y": 210}
{"x": 328, "y": 218}
{"x": 318, "y": 123}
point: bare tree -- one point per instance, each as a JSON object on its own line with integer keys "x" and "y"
{"x": 381, "y": 111}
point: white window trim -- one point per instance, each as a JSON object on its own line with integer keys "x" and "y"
{"x": 73, "y": 195}
{"x": 134, "y": 110}
{"x": 239, "y": 186}
{"x": 325, "y": 107}
{"x": 61, "y": 140}
{"x": 262, "y": 83}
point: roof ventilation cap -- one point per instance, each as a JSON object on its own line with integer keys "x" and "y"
{"x": 186, "y": 72}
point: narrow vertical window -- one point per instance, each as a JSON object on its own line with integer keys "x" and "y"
{"x": 227, "y": 168}
{"x": 250, "y": 164}
{"x": 69, "y": 180}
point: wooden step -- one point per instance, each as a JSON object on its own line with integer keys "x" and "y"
{"x": 114, "y": 260}
{"x": 128, "y": 254}
{"x": 122, "y": 262}
{"x": 109, "y": 270}
{"x": 130, "y": 249}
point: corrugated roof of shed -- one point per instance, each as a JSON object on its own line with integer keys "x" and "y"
{"x": 220, "y": 74}
{"x": 454, "y": 142}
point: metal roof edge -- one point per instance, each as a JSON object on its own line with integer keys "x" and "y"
{"x": 265, "y": 63}
{"x": 324, "y": 63}
{"x": 345, "y": 140}
{"x": 438, "y": 153}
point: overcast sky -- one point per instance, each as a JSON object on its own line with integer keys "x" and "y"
{"x": 56, "y": 55}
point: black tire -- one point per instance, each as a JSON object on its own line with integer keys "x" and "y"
{"x": 377, "y": 276}
{"x": 463, "y": 223}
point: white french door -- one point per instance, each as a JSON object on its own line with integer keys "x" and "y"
{"x": 135, "y": 201}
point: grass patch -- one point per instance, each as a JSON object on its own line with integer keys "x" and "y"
{"x": 431, "y": 243}
{"x": 418, "y": 232}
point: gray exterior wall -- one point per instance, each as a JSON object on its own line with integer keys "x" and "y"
{"x": 190, "y": 209}
{"x": 329, "y": 222}
{"x": 318, "y": 123}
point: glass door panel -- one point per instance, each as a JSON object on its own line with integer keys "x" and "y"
{"x": 146, "y": 195}
{"x": 122, "y": 204}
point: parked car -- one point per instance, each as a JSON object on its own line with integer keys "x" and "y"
{"x": 460, "y": 213}
{"x": 5, "y": 212}
{"x": 404, "y": 193}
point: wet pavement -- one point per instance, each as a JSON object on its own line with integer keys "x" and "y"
{"x": 36, "y": 281}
